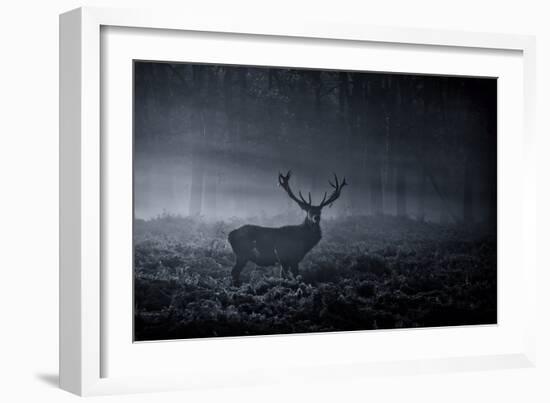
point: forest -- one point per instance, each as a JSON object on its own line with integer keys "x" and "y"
{"x": 410, "y": 243}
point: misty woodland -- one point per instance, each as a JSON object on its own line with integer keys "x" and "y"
{"x": 276, "y": 201}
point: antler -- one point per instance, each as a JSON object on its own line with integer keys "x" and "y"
{"x": 305, "y": 205}
{"x": 335, "y": 194}
{"x": 283, "y": 182}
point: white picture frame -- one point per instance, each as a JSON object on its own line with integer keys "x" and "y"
{"x": 85, "y": 342}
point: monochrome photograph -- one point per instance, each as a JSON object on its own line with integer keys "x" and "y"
{"x": 280, "y": 200}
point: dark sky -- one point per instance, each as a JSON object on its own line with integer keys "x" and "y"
{"x": 211, "y": 140}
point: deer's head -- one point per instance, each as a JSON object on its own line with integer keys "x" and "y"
{"x": 313, "y": 212}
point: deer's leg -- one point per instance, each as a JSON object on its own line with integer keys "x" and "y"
{"x": 236, "y": 271}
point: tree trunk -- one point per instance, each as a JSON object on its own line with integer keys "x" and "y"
{"x": 468, "y": 209}
{"x": 344, "y": 112}
{"x": 376, "y": 130}
{"x": 316, "y": 124}
{"x": 443, "y": 213}
{"x": 376, "y": 197}
{"x": 422, "y": 194}
{"x": 401, "y": 190}
{"x": 197, "y": 184}
{"x": 424, "y": 105}
{"x": 197, "y": 165}
{"x": 357, "y": 159}
{"x": 211, "y": 189}
{"x": 243, "y": 121}
{"x": 397, "y": 148}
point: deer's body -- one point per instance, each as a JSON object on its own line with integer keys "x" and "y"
{"x": 285, "y": 246}
{"x": 267, "y": 246}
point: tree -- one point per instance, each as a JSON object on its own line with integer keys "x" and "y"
{"x": 373, "y": 93}
{"x": 197, "y": 166}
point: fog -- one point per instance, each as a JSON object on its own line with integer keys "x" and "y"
{"x": 210, "y": 140}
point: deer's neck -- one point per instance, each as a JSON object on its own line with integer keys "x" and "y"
{"x": 312, "y": 227}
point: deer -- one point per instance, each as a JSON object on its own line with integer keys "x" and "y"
{"x": 285, "y": 246}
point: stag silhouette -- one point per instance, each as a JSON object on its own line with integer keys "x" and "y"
{"x": 286, "y": 245}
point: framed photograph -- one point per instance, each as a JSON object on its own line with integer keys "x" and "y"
{"x": 248, "y": 203}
